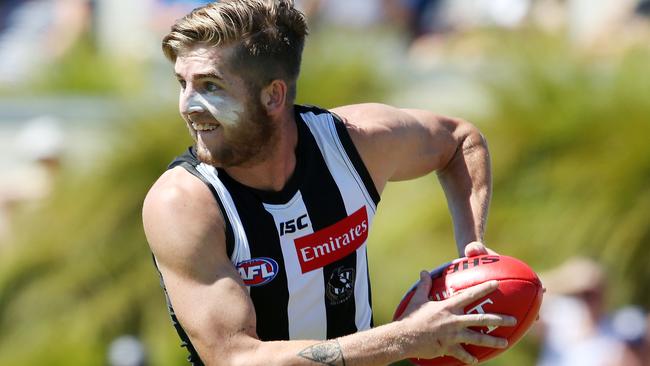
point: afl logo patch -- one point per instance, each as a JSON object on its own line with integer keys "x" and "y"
{"x": 257, "y": 271}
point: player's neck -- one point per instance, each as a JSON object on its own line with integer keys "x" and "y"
{"x": 274, "y": 171}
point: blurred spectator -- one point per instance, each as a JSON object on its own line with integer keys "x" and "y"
{"x": 309, "y": 8}
{"x": 601, "y": 25}
{"x": 7, "y": 8}
{"x": 126, "y": 350}
{"x": 643, "y": 8}
{"x": 39, "y": 144}
{"x": 342, "y": 13}
{"x": 629, "y": 325}
{"x": 186, "y": 5}
{"x": 436, "y": 16}
{"x": 41, "y": 141}
{"x": 549, "y": 15}
{"x": 167, "y": 11}
{"x": 645, "y": 347}
{"x": 481, "y": 13}
{"x": 431, "y": 22}
{"x": 593, "y": 24}
{"x": 140, "y": 28}
{"x": 423, "y": 17}
{"x": 34, "y": 32}
{"x": 576, "y": 331}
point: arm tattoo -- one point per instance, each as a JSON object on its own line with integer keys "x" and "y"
{"x": 326, "y": 353}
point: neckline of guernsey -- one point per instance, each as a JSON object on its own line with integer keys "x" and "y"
{"x": 291, "y": 187}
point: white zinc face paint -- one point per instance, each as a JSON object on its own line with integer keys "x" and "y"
{"x": 225, "y": 110}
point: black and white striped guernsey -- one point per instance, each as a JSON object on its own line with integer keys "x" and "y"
{"x": 301, "y": 251}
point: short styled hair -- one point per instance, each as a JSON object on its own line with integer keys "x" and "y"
{"x": 268, "y": 36}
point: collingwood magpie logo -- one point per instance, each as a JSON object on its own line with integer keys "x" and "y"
{"x": 340, "y": 286}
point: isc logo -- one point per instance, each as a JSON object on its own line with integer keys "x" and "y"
{"x": 257, "y": 271}
{"x": 293, "y": 225}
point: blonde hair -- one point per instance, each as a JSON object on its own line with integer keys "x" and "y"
{"x": 268, "y": 35}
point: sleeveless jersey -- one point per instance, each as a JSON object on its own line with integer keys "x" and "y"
{"x": 301, "y": 251}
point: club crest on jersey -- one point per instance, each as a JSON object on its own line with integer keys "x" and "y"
{"x": 257, "y": 271}
{"x": 340, "y": 286}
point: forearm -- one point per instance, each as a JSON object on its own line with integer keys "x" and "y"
{"x": 427, "y": 329}
{"x": 378, "y": 346}
{"x": 467, "y": 182}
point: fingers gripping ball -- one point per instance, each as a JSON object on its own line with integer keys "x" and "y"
{"x": 519, "y": 294}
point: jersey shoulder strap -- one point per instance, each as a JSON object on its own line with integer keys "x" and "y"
{"x": 335, "y": 142}
{"x": 189, "y": 161}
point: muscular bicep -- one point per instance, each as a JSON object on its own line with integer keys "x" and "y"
{"x": 184, "y": 229}
{"x": 426, "y": 143}
{"x": 217, "y": 315}
{"x": 399, "y": 144}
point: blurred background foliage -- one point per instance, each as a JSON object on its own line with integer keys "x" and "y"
{"x": 568, "y": 132}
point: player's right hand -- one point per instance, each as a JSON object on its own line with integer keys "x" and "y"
{"x": 477, "y": 248}
{"x": 439, "y": 328}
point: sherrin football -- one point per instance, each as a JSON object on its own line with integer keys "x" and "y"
{"x": 519, "y": 294}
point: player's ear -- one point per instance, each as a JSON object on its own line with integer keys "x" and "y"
{"x": 274, "y": 96}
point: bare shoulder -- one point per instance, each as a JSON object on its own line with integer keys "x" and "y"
{"x": 378, "y": 117}
{"x": 419, "y": 141}
{"x": 370, "y": 117}
{"x": 373, "y": 125}
{"x": 181, "y": 219}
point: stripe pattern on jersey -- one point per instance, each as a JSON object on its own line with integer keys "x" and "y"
{"x": 302, "y": 250}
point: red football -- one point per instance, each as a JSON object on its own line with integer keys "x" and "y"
{"x": 519, "y": 294}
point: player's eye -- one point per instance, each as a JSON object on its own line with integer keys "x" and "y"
{"x": 183, "y": 83}
{"x": 212, "y": 87}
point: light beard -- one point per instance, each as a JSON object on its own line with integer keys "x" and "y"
{"x": 245, "y": 144}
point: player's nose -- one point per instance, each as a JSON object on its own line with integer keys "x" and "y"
{"x": 195, "y": 109}
{"x": 191, "y": 104}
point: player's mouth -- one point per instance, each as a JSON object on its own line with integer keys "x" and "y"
{"x": 204, "y": 126}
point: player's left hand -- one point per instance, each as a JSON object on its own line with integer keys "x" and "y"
{"x": 477, "y": 248}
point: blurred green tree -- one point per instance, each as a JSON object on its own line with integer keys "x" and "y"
{"x": 568, "y": 134}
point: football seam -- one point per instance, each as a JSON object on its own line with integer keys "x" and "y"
{"x": 538, "y": 282}
{"x": 530, "y": 307}
{"x": 501, "y": 351}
